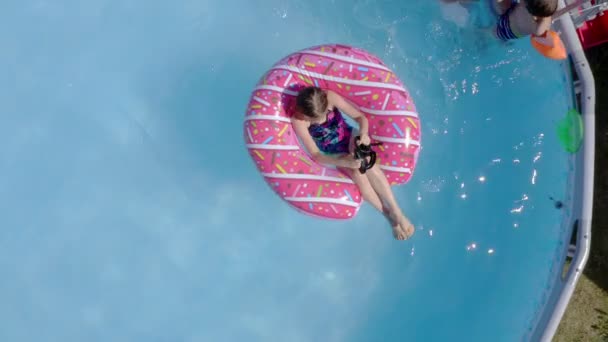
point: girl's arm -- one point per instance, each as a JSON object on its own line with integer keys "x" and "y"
{"x": 301, "y": 129}
{"x": 351, "y": 111}
{"x": 568, "y": 8}
{"x": 542, "y": 25}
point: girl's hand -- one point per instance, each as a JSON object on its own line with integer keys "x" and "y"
{"x": 364, "y": 140}
{"x": 351, "y": 163}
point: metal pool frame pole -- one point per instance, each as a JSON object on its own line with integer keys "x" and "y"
{"x": 583, "y": 192}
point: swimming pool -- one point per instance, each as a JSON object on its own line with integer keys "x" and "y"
{"x": 131, "y": 210}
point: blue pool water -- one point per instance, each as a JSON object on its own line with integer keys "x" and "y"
{"x": 130, "y": 210}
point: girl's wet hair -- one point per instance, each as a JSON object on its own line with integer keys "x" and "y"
{"x": 312, "y": 101}
{"x": 541, "y": 8}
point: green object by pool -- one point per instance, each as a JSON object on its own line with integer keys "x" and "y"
{"x": 570, "y": 131}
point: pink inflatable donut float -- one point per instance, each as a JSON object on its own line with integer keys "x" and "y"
{"x": 360, "y": 77}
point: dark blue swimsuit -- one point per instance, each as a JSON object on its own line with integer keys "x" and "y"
{"x": 503, "y": 27}
{"x": 333, "y": 135}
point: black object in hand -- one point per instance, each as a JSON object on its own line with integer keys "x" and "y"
{"x": 363, "y": 152}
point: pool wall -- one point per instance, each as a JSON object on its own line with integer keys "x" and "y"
{"x": 580, "y": 189}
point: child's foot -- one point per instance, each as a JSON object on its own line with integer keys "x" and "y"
{"x": 407, "y": 227}
{"x": 399, "y": 232}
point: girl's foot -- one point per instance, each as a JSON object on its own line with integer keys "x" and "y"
{"x": 398, "y": 232}
{"x": 407, "y": 227}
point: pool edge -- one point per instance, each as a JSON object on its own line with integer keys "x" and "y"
{"x": 583, "y": 191}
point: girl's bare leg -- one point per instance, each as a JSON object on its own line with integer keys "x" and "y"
{"x": 380, "y": 184}
{"x": 376, "y": 180}
{"x": 370, "y": 196}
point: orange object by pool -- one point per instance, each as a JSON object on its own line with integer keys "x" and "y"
{"x": 549, "y": 45}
